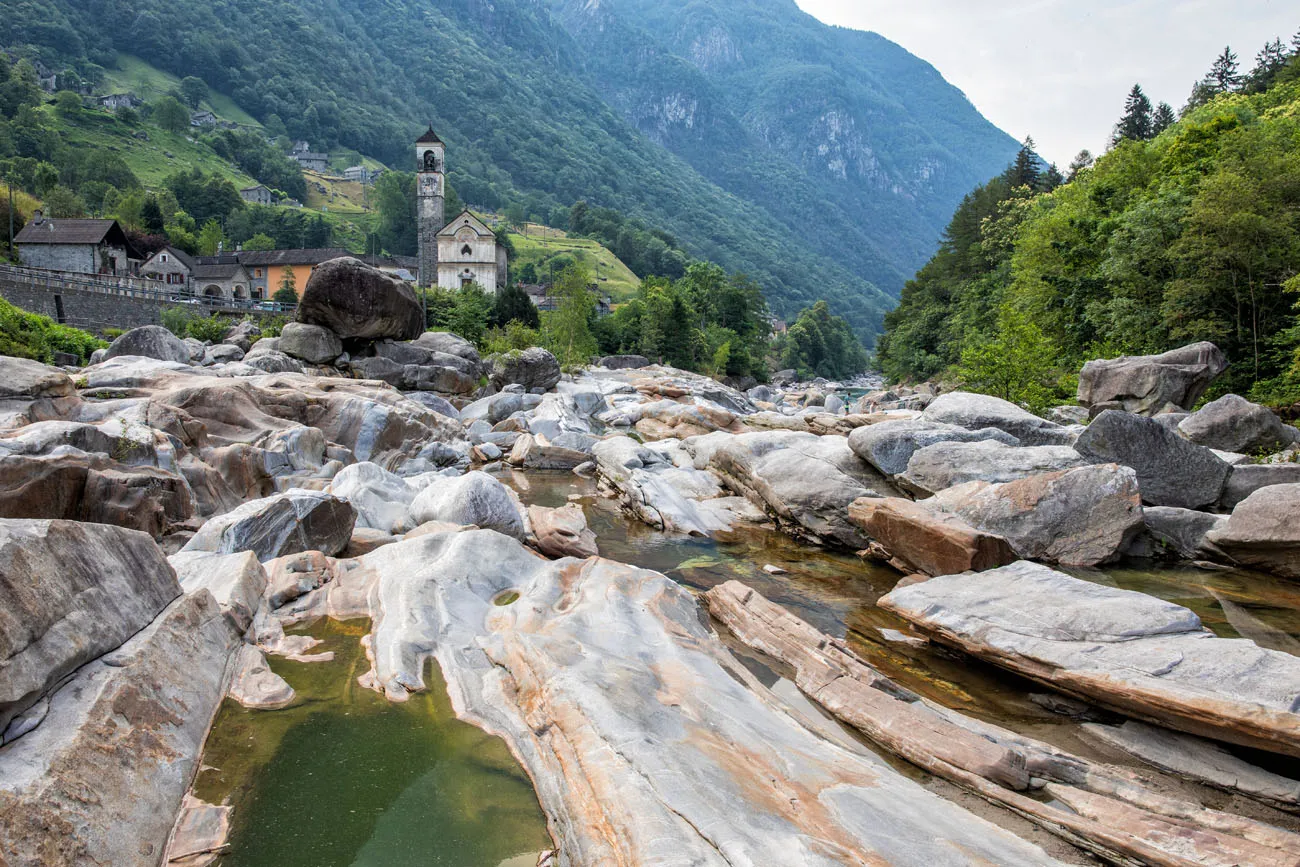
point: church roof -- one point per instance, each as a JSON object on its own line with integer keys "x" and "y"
{"x": 465, "y": 217}
{"x": 429, "y": 137}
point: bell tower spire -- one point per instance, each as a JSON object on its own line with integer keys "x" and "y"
{"x": 431, "y": 166}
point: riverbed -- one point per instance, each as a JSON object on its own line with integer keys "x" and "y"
{"x": 343, "y": 777}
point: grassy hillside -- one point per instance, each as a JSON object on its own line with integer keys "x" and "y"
{"x": 130, "y": 74}
{"x": 543, "y": 248}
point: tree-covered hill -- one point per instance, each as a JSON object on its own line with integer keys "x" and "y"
{"x": 510, "y": 87}
{"x": 1186, "y": 233}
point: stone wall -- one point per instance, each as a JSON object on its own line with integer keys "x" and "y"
{"x": 70, "y": 304}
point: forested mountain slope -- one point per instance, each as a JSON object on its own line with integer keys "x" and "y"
{"x": 837, "y": 214}
{"x": 1191, "y": 235}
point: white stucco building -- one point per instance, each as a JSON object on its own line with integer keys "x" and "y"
{"x": 468, "y": 252}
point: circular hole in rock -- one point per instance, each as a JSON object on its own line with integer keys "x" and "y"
{"x": 506, "y": 597}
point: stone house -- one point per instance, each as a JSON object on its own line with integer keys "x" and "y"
{"x": 258, "y": 195}
{"x": 222, "y": 276}
{"x": 316, "y": 162}
{"x": 120, "y": 100}
{"x": 359, "y": 174}
{"x": 172, "y": 267}
{"x": 267, "y": 268}
{"x": 468, "y": 252}
{"x": 80, "y": 246}
{"x": 203, "y": 118}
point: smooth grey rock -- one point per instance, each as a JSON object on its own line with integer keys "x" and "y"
{"x": 1199, "y": 759}
{"x": 889, "y": 445}
{"x": 1083, "y": 516}
{"x": 98, "y": 355}
{"x": 1171, "y": 471}
{"x": 434, "y": 403}
{"x": 670, "y": 743}
{"x": 1234, "y": 424}
{"x": 805, "y": 481}
{"x": 1067, "y": 415}
{"x": 263, "y": 344}
{"x": 472, "y": 499}
{"x": 1246, "y": 479}
{"x": 243, "y": 334}
{"x": 946, "y": 464}
{"x": 358, "y": 302}
{"x": 382, "y": 500}
{"x": 272, "y": 361}
{"x": 1151, "y": 384}
{"x": 236, "y": 582}
{"x": 834, "y": 404}
{"x": 150, "y": 341}
{"x": 532, "y": 368}
{"x": 313, "y": 344}
{"x": 624, "y": 362}
{"x": 297, "y": 520}
{"x": 1264, "y": 531}
{"x": 1184, "y": 531}
{"x": 100, "y": 781}
{"x": 977, "y": 411}
{"x": 254, "y": 685}
{"x": 1130, "y": 652}
{"x": 222, "y": 353}
{"x": 661, "y": 494}
{"x": 448, "y": 343}
{"x": 24, "y": 378}
{"x": 69, "y": 592}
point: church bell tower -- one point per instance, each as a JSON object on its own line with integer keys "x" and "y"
{"x": 431, "y": 191}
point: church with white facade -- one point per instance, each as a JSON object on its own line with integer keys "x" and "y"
{"x": 458, "y": 253}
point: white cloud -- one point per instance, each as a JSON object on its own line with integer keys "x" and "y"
{"x": 1060, "y": 71}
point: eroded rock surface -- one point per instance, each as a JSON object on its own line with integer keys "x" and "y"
{"x": 978, "y": 411}
{"x": 1151, "y": 384}
{"x": 287, "y": 523}
{"x": 1134, "y": 653}
{"x": 685, "y": 758}
{"x": 1264, "y": 531}
{"x": 358, "y": 302}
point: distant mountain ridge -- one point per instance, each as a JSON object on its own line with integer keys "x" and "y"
{"x": 824, "y": 162}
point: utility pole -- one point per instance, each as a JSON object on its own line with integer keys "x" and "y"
{"x": 9, "y": 182}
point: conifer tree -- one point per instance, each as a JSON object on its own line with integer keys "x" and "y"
{"x": 1051, "y": 179}
{"x": 1136, "y": 122}
{"x": 1162, "y": 119}
{"x": 1083, "y": 160}
{"x": 1024, "y": 171}
{"x": 1268, "y": 63}
{"x": 1224, "y": 75}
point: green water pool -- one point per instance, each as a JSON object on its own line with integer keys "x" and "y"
{"x": 344, "y": 777}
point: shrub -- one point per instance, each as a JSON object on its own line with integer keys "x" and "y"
{"x": 29, "y": 335}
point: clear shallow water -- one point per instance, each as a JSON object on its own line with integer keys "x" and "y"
{"x": 344, "y": 777}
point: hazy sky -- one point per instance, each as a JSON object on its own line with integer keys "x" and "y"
{"x": 1060, "y": 70}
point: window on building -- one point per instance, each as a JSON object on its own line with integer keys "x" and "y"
{"x": 162, "y": 258}
{"x": 466, "y": 250}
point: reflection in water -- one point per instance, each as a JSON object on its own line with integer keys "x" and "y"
{"x": 344, "y": 777}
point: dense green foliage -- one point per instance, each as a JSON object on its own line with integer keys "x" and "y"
{"x": 512, "y": 304}
{"x": 1191, "y": 235}
{"x": 27, "y": 335}
{"x": 187, "y": 322}
{"x": 818, "y": 160}
{"x": 687, "y": 323}
{"x": 821, "y": 344}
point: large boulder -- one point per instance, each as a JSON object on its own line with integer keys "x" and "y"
{"x": 977, "y": 411}
{"x": 380, "y": 498}
{"x": 1083, "y": 516}
{"x": 313, "y": 344}
{"x": 70, "y": 592}
{"x": 1170, "y": 470}
{"x": 533, "y": 368}
{"x": 24, "y": 378}
{"x": 358, "y": 302}
{"x": 926, "y": 540}
{"x": 101, "y": 779}
{"x": 889, "y": 445}
{"x": 1264, "y": 531}
{"x": 1246, "y": 479}
{"x": 1151, "y": 384}
{"x": 236, "y": 581}
{"x": 297, "y": 520}
{"x": 1184, "y": 533}
{"x": 1234, "y": 424}
{"x": 448, "y": 344}
{"x": 946, "y": 464}
{"x": 1130, "y": 652}
{"x": 562, "y": 532}
{"x": 472, "y": 499}
{"x": 150, "y": 341}
{"x": 624, "y": 362}
{"x": 243, "y": 334}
